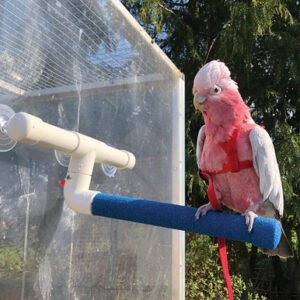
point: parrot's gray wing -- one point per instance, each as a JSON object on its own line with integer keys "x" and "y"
{"x": 200, "y": 142}
{"x": 266, "y": 167}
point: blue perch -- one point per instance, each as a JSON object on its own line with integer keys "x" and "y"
{"x": 266, "y": 232}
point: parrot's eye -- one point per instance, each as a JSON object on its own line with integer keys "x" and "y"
{"x": 216, "y": 90}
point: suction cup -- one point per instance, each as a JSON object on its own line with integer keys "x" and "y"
{"x": 108, "y": 170}
{"x": 6, "y": 143}
{"x": 62, "y": 158}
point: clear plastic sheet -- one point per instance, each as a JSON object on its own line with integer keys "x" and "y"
{"x": 87, "y": 66}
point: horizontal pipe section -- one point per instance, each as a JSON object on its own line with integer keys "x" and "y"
{"x": 29, "y": 129}
{"x": 266, "y": 232}
{"x": 26, "y": 128}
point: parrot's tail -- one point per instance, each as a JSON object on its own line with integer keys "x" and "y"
{"x": 283, "y": 249}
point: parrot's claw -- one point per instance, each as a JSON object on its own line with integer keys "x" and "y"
{"x": 250, "y": 216}
{"x": 203, "y": 210}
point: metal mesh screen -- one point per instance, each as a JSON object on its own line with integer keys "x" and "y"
{"x": 86, "y": 65}
{"x": 53, "y": 43}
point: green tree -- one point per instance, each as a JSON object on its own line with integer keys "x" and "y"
{"x": 259, "y": 41}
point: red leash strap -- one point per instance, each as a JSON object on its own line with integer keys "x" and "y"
{"x": 221, "y": 242}
{"x": 224, "y": 263}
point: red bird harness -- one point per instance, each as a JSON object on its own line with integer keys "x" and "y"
{"x": 233, "y": 165}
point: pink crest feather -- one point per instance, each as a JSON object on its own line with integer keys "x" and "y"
{"x": 213, "y": 73}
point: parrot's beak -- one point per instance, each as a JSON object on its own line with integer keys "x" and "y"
{"x": 198, "y": 101}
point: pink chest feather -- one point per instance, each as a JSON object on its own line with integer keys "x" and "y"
{"x": 237, "y": 190}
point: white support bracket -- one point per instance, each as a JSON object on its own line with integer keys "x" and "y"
{"x": 84, "y": 151}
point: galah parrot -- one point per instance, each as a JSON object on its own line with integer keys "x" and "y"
{"x": 237, "y": 154}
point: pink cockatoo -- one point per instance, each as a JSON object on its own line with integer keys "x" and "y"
{"x": 237, "y": 154}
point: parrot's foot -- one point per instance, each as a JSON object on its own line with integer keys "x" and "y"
{"x": 203, "y": 210}
{"x": 250, "y": 216}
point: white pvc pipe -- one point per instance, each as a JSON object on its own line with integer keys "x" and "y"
{"x": 26, "y": 128}
{"x": 84, "y": 151}
{"x": 77, "y": 194}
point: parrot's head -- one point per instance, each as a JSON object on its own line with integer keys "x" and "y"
{"x": 216, "y": 95}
